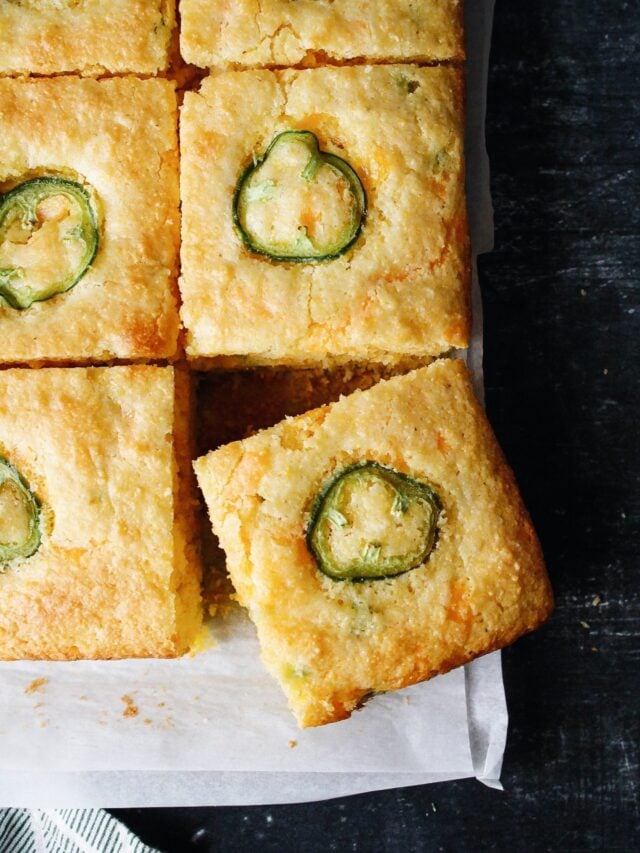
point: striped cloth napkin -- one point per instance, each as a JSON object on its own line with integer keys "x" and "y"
{"x": 65, "y": 831}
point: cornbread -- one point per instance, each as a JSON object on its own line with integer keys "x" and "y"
{"x": 316, "y": 32}
{"x": 400, "y": 289}
{"x": 116, "y": 140}
{"x": 332, "y": 643}
{"x": 235, "y": 404}
{"x": 116, "y": 571}
{"x": 85, "y": 36}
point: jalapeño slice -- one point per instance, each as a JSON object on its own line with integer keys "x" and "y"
{"x": 370, "y": 522}
{"x": 19, "y": 516}
{"x": 298, "y": 203}
{"x": 48, "y": 239}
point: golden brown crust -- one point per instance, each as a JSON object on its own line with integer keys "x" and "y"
{"x": 308, "y": 32}
{"x": 331, "y": 644}
{"x": 120, "y": 137}
{"x": 403, "y": 288}
{"x": 110, "y": 579}
{"x": 85, "y": 36}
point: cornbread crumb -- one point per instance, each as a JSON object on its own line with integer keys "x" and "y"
{"x": 131, "y": 709}
{"x": 37, "y": 686}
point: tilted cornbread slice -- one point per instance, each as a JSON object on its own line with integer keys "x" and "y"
{"x": 98, "y": 554}
{"x": 89, "y": 224}
{"x": 324, "y": 216}
{"x": 234, "y": 404}
{"x": 279, "y": 32}
{"x": 85, "y": 36}
{"x": 376, "y": 542}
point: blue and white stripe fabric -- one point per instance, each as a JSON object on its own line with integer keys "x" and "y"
{"x": 65, "y": 831}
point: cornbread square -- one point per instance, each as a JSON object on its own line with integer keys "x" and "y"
{"x": 85, "y": 36}
{"x": 308, "y": 32}
{"x": 106, "y": 453}
{"x": 402, "y": 289}
{"x": 331, "y": 643}
{"x": 118, "y": 139}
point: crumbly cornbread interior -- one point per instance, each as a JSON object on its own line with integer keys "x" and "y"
{"x": 187, "y": 572}
{"x": 331, "y": 644}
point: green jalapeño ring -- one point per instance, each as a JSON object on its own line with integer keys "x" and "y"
{"x": 298, "y": 203}
{"x": 19, "y": 516}
{"x": 48, "y": 239}
{"x": 370, "y": 522}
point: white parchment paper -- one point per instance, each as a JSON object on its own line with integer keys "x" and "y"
{"x": 214, "y": 729}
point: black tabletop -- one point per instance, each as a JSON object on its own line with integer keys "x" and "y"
{"x": 562, "y": 342}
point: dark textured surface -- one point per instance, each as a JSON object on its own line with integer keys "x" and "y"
{"x": 562, "y": 332}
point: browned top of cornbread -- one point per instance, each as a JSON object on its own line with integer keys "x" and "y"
{"x": 117, "y": 137}
{"x": 279, "y": 32}
{"x": 85, "y": 36}
{"x": 331, "y": 643}
{"x": 401, "y": 290}
{"x": 116, "y": 573}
